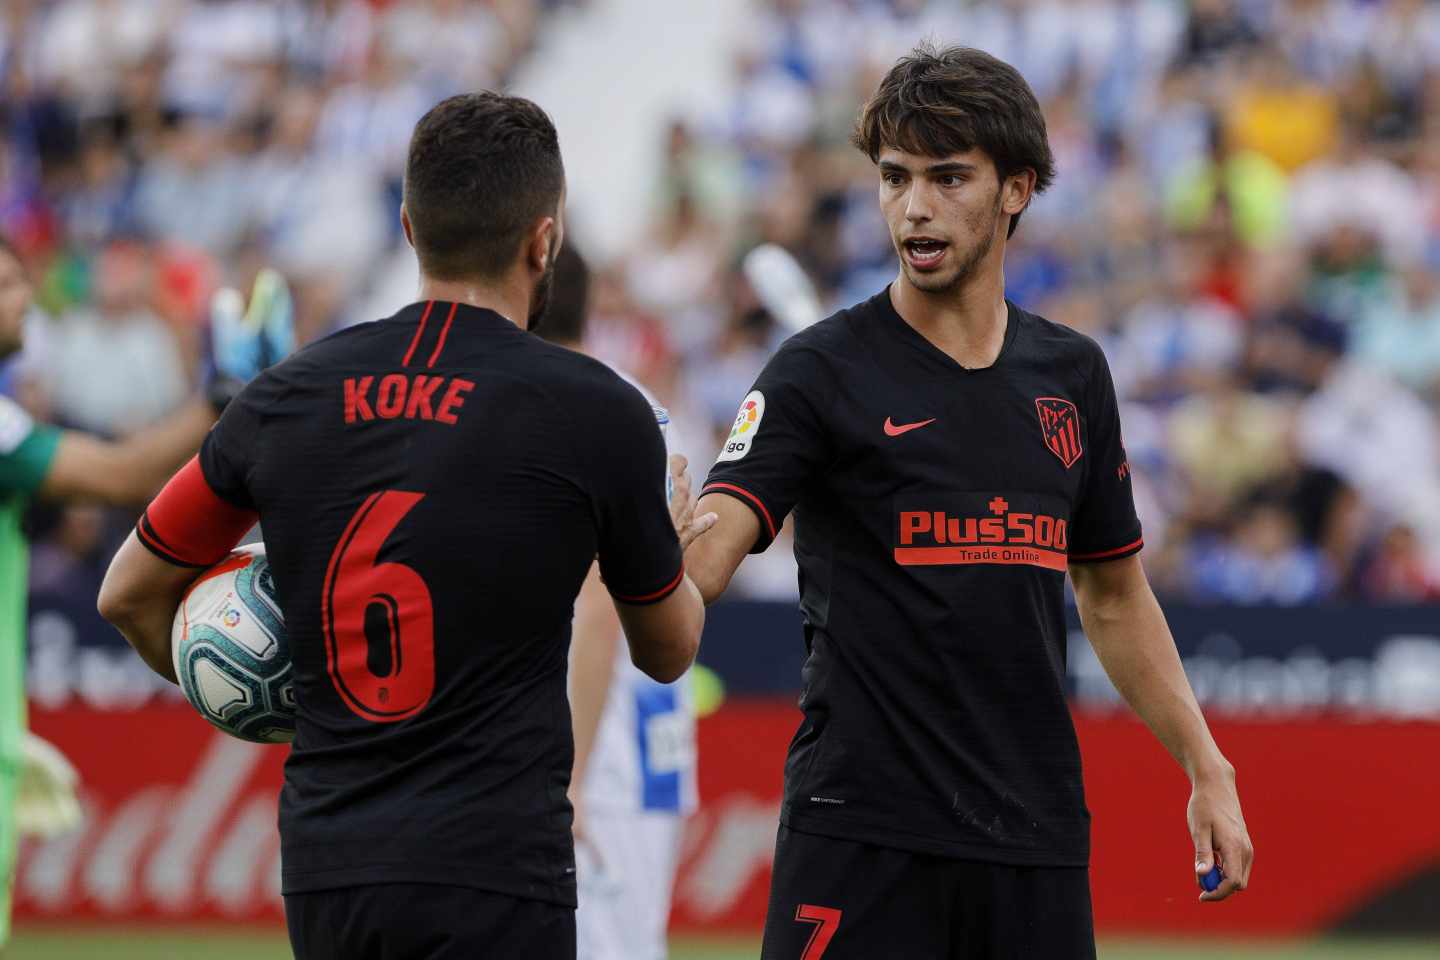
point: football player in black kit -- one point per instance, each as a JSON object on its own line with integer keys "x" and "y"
{"x": 433, "y": 489}
{"x": 948, "y": 458}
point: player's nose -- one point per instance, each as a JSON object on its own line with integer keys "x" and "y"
{"x": 917, "y": 205}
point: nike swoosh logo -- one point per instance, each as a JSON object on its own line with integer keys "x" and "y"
{"x": 894, "y": 430}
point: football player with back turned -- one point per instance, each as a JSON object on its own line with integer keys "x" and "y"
{"x": 949, "y": 458}
{"x": 432, "y": 489}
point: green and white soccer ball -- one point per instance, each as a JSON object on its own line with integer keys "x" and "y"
{"x": 230, "y": 651}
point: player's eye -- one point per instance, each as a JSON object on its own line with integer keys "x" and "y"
{"x": 951, "y": 180}
{"x": 892, "y": 179}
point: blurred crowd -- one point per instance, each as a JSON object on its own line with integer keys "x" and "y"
{"x": 1247, "y": 217}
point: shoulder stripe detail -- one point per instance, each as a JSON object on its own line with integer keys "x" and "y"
{"x": 1128, "y": 548}
{"x": 746, "y": 495}
{"x": 419, "y": 332}
{"x": 658, "y": 595}
{"x": 444, "y": 332}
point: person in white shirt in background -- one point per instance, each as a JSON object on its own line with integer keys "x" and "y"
{"x": 633, "y": 783}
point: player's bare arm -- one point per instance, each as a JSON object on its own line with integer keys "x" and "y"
{"x": 1128, "y": 631}
{"x": 713, "y": 559}
{"x": 664, "y": 637}
{"x": 139, "y": 597}
{"x": 127, "y": 471}
{"x": 593, "y": 639}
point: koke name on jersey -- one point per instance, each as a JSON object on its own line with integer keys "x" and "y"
{"x": 400, "y": 396}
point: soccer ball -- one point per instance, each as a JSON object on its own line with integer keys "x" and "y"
{"x": 230, "y": 651}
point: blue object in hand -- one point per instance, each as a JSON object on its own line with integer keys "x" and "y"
{"x": 1212, "y": 879}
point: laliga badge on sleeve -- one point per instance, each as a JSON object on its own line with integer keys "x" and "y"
{"x": 747, "y": 424}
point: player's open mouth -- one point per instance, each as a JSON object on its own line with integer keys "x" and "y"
{"x": 923, "y": 253}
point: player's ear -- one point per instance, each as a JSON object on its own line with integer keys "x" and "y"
{"x": 541, "y": 248}
{"x": 1016, "y": 191}
{"x": 405, "y": 225}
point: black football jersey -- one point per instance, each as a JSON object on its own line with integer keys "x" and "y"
{"x": 937, "y": 509}
{"x": 432, "y": 489}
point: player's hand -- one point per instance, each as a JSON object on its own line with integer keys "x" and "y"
{"x": 1218, "y": 829}
{"x": 244, "y": 338}
{"x": 682, "y": 504}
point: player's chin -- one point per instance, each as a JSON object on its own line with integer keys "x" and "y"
{"x": 930, "y": 281}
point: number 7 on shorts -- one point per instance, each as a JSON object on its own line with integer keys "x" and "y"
{"x": 826, "y": 920}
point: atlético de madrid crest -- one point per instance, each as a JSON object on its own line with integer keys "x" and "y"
{"x": 1060, "y": 427}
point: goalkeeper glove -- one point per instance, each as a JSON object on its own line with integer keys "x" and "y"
{"x": 245, "y": 340}
{"x": 45, "y": 804}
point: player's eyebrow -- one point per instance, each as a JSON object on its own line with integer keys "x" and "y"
{"x": 946, "y": 168}
{"x": 949, "y": 168}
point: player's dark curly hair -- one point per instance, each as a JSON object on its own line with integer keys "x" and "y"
{"x": 482, "y": 169}
{"x": 936, "y": 102}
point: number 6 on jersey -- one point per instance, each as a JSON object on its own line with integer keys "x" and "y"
{"x": 379, "y": 622}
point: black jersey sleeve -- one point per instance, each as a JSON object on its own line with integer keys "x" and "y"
{"x": 228, "y": 451}
{"x": 777, "y": 443}
{"x": 624, "y": 454}
{"x": 1105, "y": 525}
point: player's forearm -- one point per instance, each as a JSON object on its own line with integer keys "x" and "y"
{"x": 126, "y": 472}
{"x": 1128, "y": 632}
{"x": 664, "y": 637}
{"x": 154, "y": 454}
{"x": 595, "y": 638}
{"x": 712, "y": 560}
{"x": 139, "y": 597}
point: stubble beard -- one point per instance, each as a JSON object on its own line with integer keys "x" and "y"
{"x": 967, "y": 268}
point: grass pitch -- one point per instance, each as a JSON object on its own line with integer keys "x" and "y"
{"x": 52, "y": 943}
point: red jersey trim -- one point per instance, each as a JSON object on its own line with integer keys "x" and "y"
{"x": 1108, "y": 554}
{"x": 658, "y": 595}
{"x": 419, "y": 332}
{"x": 742, "y": 493}
{"x": 444, "y": 332}
{"x": 188, "y": 525}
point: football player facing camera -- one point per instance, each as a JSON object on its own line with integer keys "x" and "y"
{"x": 949, "y": 458}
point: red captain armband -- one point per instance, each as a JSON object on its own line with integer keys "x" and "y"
{"x": 188, "y": 525}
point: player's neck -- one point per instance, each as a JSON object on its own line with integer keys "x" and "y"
{"x": 968, "y": 323}
{"x": 510, "y": 300}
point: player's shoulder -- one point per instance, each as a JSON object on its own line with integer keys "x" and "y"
{"x": 824, "y": 348}
{"x": 1056, "y": 345}
{"x": 591, "y": 393}
{"x": 561, "y": 368}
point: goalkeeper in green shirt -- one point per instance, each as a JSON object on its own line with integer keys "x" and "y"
{"x": 37, "y": 460}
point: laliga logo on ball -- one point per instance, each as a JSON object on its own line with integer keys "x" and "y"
{"x": 235, "y": 669}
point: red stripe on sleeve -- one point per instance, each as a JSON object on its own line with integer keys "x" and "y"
{"x": 188, "y": 525}
{"x": 660, "y": 594}
{"x": 444, "y": 332}
{"x": 748, "y": 496}
{"x": 1128, "y": 548}
{"x": 419, "y": 332}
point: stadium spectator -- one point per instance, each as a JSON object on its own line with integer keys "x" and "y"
{"x": 1249, "y": 195}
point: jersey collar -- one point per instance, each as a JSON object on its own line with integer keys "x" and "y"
{"x": 917, "y": 339}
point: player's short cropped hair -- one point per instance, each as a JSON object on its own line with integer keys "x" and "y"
{"x": 569, "y": 298}
{"x": 482, "y": 169}
{"x": 936, "y": 102}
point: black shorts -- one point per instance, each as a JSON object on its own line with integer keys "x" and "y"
{"x": 841, "y": 900}
{"x": 419, "y": 921}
